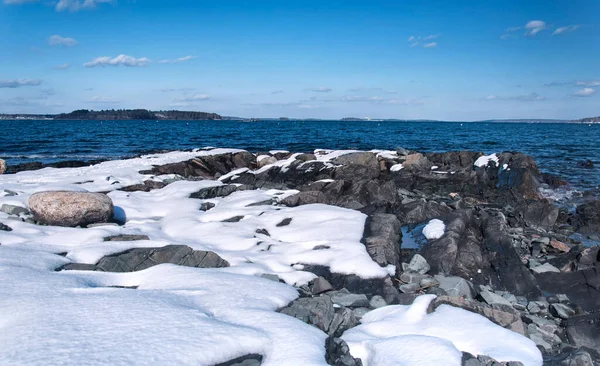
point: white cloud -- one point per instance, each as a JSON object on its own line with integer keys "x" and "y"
{"x": 567, "y": 29}
{"x": 411, "y": 38}
{"x": 119, "y": 60}
{"x": 415, "y": 41}
{"x": 588, "y": 83}
{"x": 103, "y": 100}
{"x": 356, "y": 98}
{"x": 193, "y": 98}
{"x": 432, "y": 36}
{"x": 535, "y": 26}
{"x": 62, "y": 67}
{"x": 168, "y": 90}
{"x": 321, "y": 89}
{"x": 57, "y": 40}
{"x": 177, "y": 60}
{"x": 585, "y": 92}
{"x": 19, "y": 83}
{"x": 76, "y": 5}
{"x": 430, "y": 45}
{"x": 532, "y": 97}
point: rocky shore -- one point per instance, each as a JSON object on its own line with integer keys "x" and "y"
{"x": 334, "y": 225}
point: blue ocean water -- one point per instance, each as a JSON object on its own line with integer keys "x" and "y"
{"x": 557, "y": 147}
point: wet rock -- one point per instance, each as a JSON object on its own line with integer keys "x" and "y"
{"x": 337, "y": 353}
{"x": 382, "y": 237}
{"x": 62, "y": 208}
{"x": 589, "y": 217}
{"x": 141, "y": 258}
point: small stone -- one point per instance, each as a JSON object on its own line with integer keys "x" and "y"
{"x": 350, "y": 300}
{"x": 13, "y": 210}
{"x": 455, "y": 286}
{"x": 492, "y": 298}
{"x": 409, "y": 288}
{"x": 284, "y": 222}
{"x": 205, "y": 206}
{"x": 418, "y": 264}
{"x": 510, "y": 297}
{"x": 321, "y": 285}
{"x": 561, "y": 311}
{"x": 546, "y": 267}
{"x": 5, "y": 227}
{"x": 377, "y": 302}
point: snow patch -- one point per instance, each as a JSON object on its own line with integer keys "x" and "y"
{"x": 483, "y": 161}
{"x": 434, "y": 229}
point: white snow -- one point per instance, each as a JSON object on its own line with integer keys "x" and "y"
{"x": 434, "y": 229}
{"x": 483, "y": 161}
{"x": 178, "y": 315}
{"x": 396, "y": 168}
{"x": 407, "y": 335}
{"x": 434, "y": 167}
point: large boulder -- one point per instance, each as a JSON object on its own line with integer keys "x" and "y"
{"x": 540, "y": 214}
{"x": 382, "y": 237}
{"x": 582, "y": 287}
{"x": 589, "y": 217}
{"x": 520, "y": 175}
{"x": 2, "y": 166}
{"x": 481, "y": 250}
{"x": 64, "y": 208}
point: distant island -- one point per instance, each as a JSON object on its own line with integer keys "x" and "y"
{"x": 135, "y": 114}
{"x": 589, "y": 119}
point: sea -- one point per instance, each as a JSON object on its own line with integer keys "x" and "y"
{"x": 558, "y": 148}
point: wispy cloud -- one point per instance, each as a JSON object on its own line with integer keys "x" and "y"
{"x": 415, "y": 41}
{"x": 382, "y": 100}
{"x": 19, "y": 83}
{"x": 535, "y": 26}
{"x": 117, "y": 61}
{"x": 192, "y": 98}
{"x": 321, "y": 89}
{"x": 57, "y": 40}
{"x": 567, "y": 29}
{"x": 177, "y": 60}
{"x": 558, "y": 83}
{"x": 532, "y": 97}
{"x": 63, "y": 5}
{"x": 76, "y": 5}
{"x": 62, "y": 67}
{"x": 103, "y": 100}
{"x": 277, "y": 92}
{"x": 588, "y": 83}
{"x": 169, "y": 90}
{"x": 585, "y": 92}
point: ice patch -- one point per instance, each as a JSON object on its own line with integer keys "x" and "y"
{"x": 483, "y": 161}
{"x": 407, "y": 335}
{"x": 434, "y": 229}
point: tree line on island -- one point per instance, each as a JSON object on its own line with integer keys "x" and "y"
{"x": 135, "y": 114}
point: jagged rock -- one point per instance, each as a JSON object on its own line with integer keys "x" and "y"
{"x": 522, "y": 177}
{"x": 316, "y": 311}
{"x": 338, "y": 353}
{"x": 13, "y": 210}
{"x": 247, "y": 360}
{"x": 492, "y": 298}
{"x": 62, "y": 208}
{"x": 561, "y": 311}
{"x": 141, "y": 258}
{"x": 589, "y": 217}
{"x": 321, "y": 285}
{"x": 213, "y": 192}
{"x": 546, "y": 267}
{"x": 147, "y": 186}
{"x": 358, "y": 158}
{"x": 507, "y": 317}
{"x": 582, "y": 287}
{"x": 577, "y": 357}
{"x": 205, "y": 206}
{"x": 304, "y": 198}
{"x": 419, "y": 211}
{"x": 349, "y": 300}
{"x": 382, "y": 237}
{"x": 538, "y": 214}
{"x": 2, "y": 166}
{"x": 343, "y": 320}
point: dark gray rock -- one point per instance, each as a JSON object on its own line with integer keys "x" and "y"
{"x": 141, "y": 258}
{"x": 582, "y": 287}
{"x": 316, "y": 311}
{"x": 320, "y": 285}
{"x": 233, "y": 219}
{"x": 205, "y": 206}
{"x": 213, "y": 192}
{"x": 584, "y": 331}
{"x": 13, "y": 210}
{"x": 577, "y": 357}
{"x": 456, "y": 286}
{"x": 343, "y": 320}
{"x": 349, "y": 300}
{"x": 419, "y": 211}
{"x": 588, "y": 215}
{"x": 126, "y": 237}
{"x": 4, "y": 227}
{"x": 561, "y": 311}
{"x": 247, "y": 360}
{"x": 285, "y": 222}
{"x": 304, "y": 198}
{"x": 382, "y": 237}
{"x": 337, "y": 353}
{"x": 538, "y": 214}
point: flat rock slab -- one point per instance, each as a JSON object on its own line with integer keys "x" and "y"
{"x": 63, "y": 208}
{"x": 138, "y": 259}
{"x": 582, "y": 287}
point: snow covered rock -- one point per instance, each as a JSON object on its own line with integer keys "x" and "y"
{"x": 63, "y": 208}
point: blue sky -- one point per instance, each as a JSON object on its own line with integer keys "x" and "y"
{"x": 449, "y": 60}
